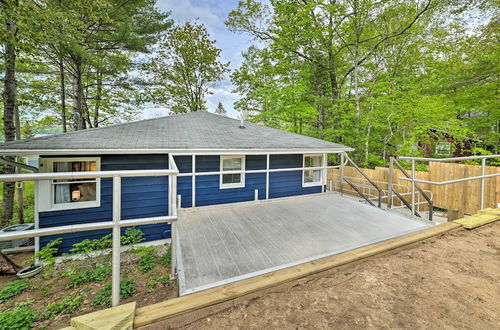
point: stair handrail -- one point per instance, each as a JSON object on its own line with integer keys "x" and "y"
{"x": 349, "y": 160}
{"x": 393, "y": 161}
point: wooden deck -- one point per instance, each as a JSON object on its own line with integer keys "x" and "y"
{"x": 223, "y": 244}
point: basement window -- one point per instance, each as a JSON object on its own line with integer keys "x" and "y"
{"x": 313, "y": 177}
{"x": 236, "y": 165}
{"x": 68, "y": 194}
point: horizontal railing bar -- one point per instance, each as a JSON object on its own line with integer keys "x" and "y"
{"x": 150, "y": 220}
{"x": 447, "y": 159}
{"x": 259, "y": 171}
{"x": 83, "y": 175}
{"x": 82, "y": 227}
{"x": 452, "y": 181}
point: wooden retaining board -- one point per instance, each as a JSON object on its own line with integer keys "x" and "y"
{"x": 211, "y": 297}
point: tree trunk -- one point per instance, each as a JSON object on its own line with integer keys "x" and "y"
{"x": 79, "y": 117}
{"x": 9, "y": 106}
{"x": 20, "y": 185}
{"x": 63, "y": 96}
{"x": 98, "y": 98}
{"x": 7, "y": 266}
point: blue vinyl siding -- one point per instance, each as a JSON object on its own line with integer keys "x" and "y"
{"x": 285, "y": 184}
{"x": 141, "y": 197}
{"x": 147, "y": 196}
{"x": 208, "y": 192}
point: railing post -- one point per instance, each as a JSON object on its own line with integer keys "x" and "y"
{"x": 115, "y": 296}
{"x": 483, "y": 173}
{"x": 412, "y": 187}
{"x": 267, "y": 176}
{"x": 193, "y": 181}
{"x": 341, "y": 174}
{"x": 389, "y": 182}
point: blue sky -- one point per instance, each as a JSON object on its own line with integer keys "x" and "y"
{"x": 212, "y": 13}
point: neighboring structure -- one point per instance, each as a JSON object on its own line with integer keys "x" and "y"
{"x": 200, "y": 142}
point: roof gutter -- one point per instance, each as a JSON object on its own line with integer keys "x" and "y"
{"x": 60, "y": 152}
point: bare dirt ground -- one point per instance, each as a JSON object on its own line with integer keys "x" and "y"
{"x": 448, "y": 282}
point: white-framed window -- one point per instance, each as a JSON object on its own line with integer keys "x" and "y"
{"x": 71, "y": 194}
{"x": 232, "y": 180}
{"x": 311, "y": 178}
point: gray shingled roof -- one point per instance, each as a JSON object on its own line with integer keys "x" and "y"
{"x": 195, "y": 130}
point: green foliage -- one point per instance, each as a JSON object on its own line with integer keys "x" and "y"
{"x": 19, "y": 318}
{"x": 166, "y": 259}
{"x": 151, "y": 285}
{"x": 12, "y": 289}
{"x": 84, "y": 276}
{"x": 68, "y": 305}
{"x": 385, "y": 79}
{"x": 186, "y": 64}
{"x": 103, "y": 297}
{"x": 132, "y": 236}
{"x": 147, "y": 257}
{"x": 88, "y": 246}
{"x": 165, "y": 280}
{"x": 46, "y": 256}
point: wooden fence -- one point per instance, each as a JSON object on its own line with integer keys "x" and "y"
{"x": 463, "y": 196}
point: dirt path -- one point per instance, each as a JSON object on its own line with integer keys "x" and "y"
{"x": 448, "y": 282}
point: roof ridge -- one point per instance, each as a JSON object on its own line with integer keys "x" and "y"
{"x": 97, "y": 128}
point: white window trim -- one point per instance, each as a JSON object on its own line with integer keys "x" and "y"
{"x": 46, "y": 188}
{"x": 242, "y": 172}
{"x": 311, "y": 184}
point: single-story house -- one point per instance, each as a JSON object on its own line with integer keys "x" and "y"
{"x": 198, "y": 142}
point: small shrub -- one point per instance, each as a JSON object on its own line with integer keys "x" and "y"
{"x": 19, "y": 318}
{"x": 166, "y": 259}
{"x": 24, "y": 303}
{"x": 68, "y": 305}
{"x": 151, "y": 285}
{"x": 165, "y": 280}
{"x": 147, "y": 257}
{"x": 46, "y": 255}
{"x": 132, "y": 236}
{"x": 13, "y": 289}
{"x": 80, "y": 278}
{"x": 100, "y": 274}
{"x": 103, "y": 297}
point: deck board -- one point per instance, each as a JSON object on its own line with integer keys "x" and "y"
{"x": 226, "y": 243}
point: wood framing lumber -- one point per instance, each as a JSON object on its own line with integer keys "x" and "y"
{"x": 115, "y": 318}
{"x": 196, "y": 301}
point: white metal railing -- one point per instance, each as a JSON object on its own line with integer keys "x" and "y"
{"x": 116, "y": 222}
{"x": 334, "y": 184}
{"x": 481, "y": 177}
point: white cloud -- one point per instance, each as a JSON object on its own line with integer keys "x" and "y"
{"x": 184, "y": 11}
{"x": 211, "y": 13}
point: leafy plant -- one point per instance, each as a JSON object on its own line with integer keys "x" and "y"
{"x": 132, "y": 236}
{"x": 151, "y": 285}
{"x": 19, "y": 318}
{"x": 165, "y": 280}
{"x": 91, "y": 249}
{"x": 166, "y": 259}
{"x": 103, "y": 297}
{"x": 13, "y": 289}
{"x": 147, "y": 257}
{"x": 46, "y": 255}
{"x": 68, "y": 305}
{"x": 100, "y": 274}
